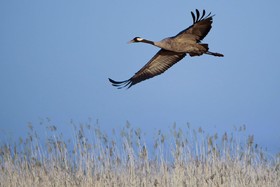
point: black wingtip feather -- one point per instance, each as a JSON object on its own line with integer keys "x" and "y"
{"x": 121, "y": 84}
{"x": 193, "y": 17}
{"x": 209, "y": 15}
{"x": 115, "y": 82}
{"x": 203, "y": 13}
{"x": 197, "y": 15}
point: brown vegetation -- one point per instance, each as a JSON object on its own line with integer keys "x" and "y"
{"x": 184, "y": 157}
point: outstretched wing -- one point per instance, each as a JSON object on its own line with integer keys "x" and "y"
{"x": 158, "y": 64}
{"x": 199, "y": 29}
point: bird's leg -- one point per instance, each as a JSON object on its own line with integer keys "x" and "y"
{"x": 214, "y": 54}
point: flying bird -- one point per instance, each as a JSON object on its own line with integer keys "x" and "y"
{"x": 173, "y": 49}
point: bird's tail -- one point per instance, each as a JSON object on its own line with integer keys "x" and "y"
{"x": 214, "y": 54}
{"x": 200, "y": 49}
{"x": 205, "y": 46}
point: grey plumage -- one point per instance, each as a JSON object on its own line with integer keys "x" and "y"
{"x": 173, "y": 49}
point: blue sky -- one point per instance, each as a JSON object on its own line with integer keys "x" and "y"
{"x": 56, "y": 57}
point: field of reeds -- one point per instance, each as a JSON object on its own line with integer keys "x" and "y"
{"x": 123, "y": 157}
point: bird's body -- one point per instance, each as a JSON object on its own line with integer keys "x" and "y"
{"x": 173, "y": 49}
{"x": 179, "y": 45}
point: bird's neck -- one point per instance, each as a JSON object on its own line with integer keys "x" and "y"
{"x": 148, "y": 41}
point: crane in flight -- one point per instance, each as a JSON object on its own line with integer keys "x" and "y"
{"x": 173, "y": 49}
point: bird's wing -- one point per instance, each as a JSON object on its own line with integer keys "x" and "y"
{"x": 158, "y": 64}
{"x": 199, "y": 29}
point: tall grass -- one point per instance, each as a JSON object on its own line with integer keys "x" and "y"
{"x": 182, "y": 157}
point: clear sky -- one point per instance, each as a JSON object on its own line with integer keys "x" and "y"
{"x": 56, "y": 57}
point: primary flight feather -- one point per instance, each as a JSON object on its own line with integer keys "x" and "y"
{"x": 173, "y": 49}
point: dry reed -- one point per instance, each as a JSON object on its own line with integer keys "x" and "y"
{"x": 182, "y": 157}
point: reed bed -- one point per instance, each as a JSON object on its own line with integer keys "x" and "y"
{"x": 181, "y": 157}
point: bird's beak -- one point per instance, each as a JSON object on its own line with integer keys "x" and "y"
{"x": 131, "y": 41}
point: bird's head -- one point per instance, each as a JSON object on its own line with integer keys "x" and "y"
{"x": 136, "y": 39}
